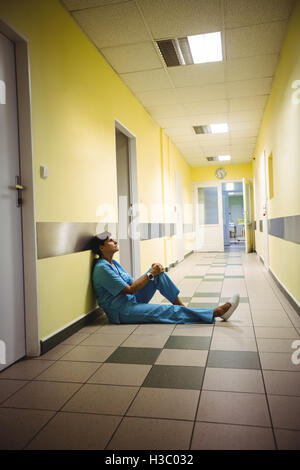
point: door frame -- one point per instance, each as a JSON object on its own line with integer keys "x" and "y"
{"x": 28, "y": 218}
{"x": 265, "y": 210}
{"x": 179, "y": 217}
{"x": 133, "y": 178}
{"x": 200, "y": 184}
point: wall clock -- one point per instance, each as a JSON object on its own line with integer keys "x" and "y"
{"x": 221, "y": 173}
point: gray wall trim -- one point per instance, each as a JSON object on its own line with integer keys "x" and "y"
{"x": 149, "y": 231}
{"x": 63, "y": 238}
{"x": 287, "y": 228}
{"x": 187, "y": 228}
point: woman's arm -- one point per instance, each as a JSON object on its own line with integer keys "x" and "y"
{"x": 139, "y": 283}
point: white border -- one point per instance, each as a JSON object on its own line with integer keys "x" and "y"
{"x": 32, "y": 333}
{"x": 133, "y": 175}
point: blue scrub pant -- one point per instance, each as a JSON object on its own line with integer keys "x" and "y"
{"x": 139, "y": 310}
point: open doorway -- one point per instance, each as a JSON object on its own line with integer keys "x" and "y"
{"x": 233, "y": 214}
{"x": 128, "y": 216}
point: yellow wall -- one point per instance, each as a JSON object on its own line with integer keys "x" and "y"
{"x": 76, "y": 97}
{"x": 280, "y": 137}
{"x": 234, "y": 172}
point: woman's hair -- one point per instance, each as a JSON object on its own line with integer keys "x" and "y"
{"x": 97, "y": 241}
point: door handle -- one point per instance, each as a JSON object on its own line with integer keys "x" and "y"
{"x": 19, "y": 187}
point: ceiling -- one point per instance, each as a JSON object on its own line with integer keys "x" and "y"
{"x": 233, "y": 91}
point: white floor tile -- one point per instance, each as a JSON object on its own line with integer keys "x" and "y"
{"x": 212, "y": 436}
{"x": 275, "y": 332}
{"x": 233, "y": 380}
{"x": 234, "y": 408}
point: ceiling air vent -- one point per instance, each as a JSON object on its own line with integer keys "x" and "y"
{"x": 211, "y": 159}
{"x": 175, "y": 52}
{"x": 202, "y": 129}
{"x": 168, "y": 52}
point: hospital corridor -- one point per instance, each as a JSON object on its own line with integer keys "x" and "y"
{"x": 164, "y": 133}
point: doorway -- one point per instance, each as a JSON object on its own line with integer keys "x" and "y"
{"x": 128, "y": 215}
{"x": 233, "y": 214}
{"x": 19, "y": 321}
{"x": 208, "y": 216}
{"x": 12, "y": 320}
{"x": 179, "y": 217}
{"x": 223, "y": 215}
{"x": 264, "y": 208}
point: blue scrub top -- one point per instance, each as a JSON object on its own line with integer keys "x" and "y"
{"x": 108, "y": 281}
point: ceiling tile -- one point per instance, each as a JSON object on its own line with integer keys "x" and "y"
{"x": 245, "y": 88}
{"x": 132, "y": 57}
{"x": 181, "y": 139}
{"x": 239, "y": 126}
{"x": 251, "y": 102}
{"x": 245, "y": 116}
{"x": 183, "y": 130}
{"x": 189, "y": 145}
{"x": 157, "y": 98}
{"x": 241, "y": 13}
{"x": 251, "y": 67}
{"x": 243, "y": 133}
{"x": 243, "y": 140}
{"x": 197, "y": 74}
{"x": 203, "y": 119}
{"x": 112, "y": 25}
{"x": 82, "y": 4}
{"x": 213, "y": 106}
{"x": 146, "y": 80}
{"x": 213, "y": 139}
{"x": 167, "y": 111}
{"x": 255, "y": 40}
{"x": 176, "y": 18}
{"x": 206, "y": 92}
{"x": 171, "y": 122}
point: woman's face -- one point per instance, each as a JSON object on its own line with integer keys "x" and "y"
{"x": 110, "y": 247}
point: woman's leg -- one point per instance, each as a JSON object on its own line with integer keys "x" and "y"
{"x": 163, "y": 284}
{"x": 160, "y": 313}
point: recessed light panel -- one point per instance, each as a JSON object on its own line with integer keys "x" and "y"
{"x": 223, "y": 158}
{"x": 206, "y": 47}
{"x": 219, "y": 128}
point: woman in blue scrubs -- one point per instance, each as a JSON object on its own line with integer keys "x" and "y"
{"x": 126, "y": 301}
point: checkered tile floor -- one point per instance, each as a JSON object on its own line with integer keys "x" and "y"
{"x": 231, "y": 385}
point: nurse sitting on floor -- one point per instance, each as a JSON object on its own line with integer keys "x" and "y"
{"x": 126, "y": 301}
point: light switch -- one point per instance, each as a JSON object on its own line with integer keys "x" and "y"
{"x": 44, "y": 171}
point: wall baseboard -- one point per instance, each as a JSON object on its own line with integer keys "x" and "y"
{"x": 282, "y": 288}
{"x": 189, "y": 253}
{"x": 172, "y": 265}
{"x": 285, "y": 292}
{"x": 68, "y": 331}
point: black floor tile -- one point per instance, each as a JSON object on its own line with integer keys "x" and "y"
{"x": 134, "y": 355}
{"x": 188, "y": 342}
{"x": 183, "y": 377}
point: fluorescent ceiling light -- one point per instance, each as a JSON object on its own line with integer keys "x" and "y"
{"x": 219, "y": 128}
{"x": 222, "y": 158}
{"x": 206, "y": 47}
